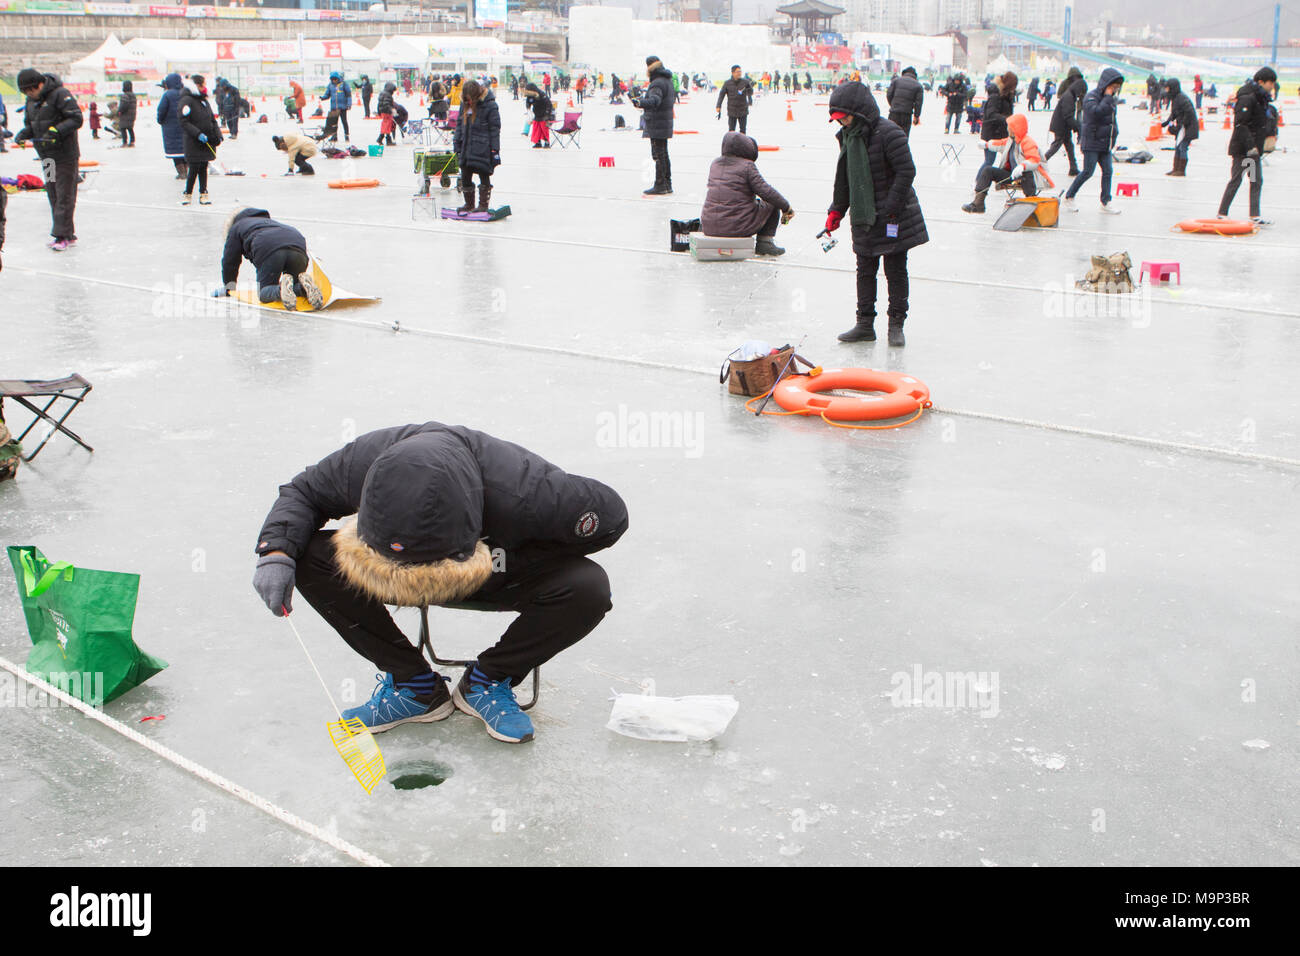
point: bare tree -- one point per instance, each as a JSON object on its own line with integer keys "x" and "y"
{"x": 716, "y": 11}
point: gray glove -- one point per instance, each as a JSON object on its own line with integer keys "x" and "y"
{"x": 273, "y": 582}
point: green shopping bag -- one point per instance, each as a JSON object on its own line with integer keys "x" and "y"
{"x": 80, "y": 623}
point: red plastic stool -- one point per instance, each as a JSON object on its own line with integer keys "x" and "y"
{"x": 1127, "y": 189}
{"x": 1160, "y": 271}
{"x": 606, "y": 161}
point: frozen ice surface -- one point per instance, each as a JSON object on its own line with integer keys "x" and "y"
{"x": 1110, "y": 601}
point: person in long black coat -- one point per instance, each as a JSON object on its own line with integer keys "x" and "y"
{"x": 477, "y": 143}
{"x": 873, "y": 185}
{"x": 1066, "y": 117}
{"x": 126, "y": 111}
{"x": 1183, "y": 122}
{"x": 444, "y": 516}
{"x": 367, "y": 91}
{"x": 999, "y": 103}
{"x": 656, "y": 105}
{"x": 1031, "y": 95}
{"x": 202, "y": 137}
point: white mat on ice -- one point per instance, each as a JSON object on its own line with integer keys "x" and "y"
{"x": 672, "y": 718}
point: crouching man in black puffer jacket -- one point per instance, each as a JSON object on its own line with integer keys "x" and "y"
{"x": 873, "y": 184}
{"x": 278, "y": 253}
{"x": 447, "y": 516}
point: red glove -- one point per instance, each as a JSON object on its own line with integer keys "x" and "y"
{"x": 833, "y": 219}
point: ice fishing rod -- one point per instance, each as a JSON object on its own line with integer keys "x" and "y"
{"x": 781, "y": 374}
{"x": 766, "y": 280}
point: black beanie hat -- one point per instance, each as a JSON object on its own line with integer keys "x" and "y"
{"x": 650, "y": 59}
{"x": 1265, "y": 74}
{"x": 29, "y": 78}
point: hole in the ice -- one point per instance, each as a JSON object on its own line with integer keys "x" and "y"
{"x": 418, "y": 774}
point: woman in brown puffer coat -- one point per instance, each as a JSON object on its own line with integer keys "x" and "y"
{"x": 739, "y": 201}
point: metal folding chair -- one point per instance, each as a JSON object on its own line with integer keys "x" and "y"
{"x": 74, "y": 388}
{"x": 571, "y": 130}
{"x": 426, "y": 647}
{"x": 952, "y": 153}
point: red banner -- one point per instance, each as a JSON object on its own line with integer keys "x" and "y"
{"x": 333, "y": 49}
{"x": 166, "y": 11}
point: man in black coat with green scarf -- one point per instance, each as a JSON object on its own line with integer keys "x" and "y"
{"x": 873, "y": 184}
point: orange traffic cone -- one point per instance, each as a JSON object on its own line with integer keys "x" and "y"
{"x": 1227, "y": 121}
{"x": 570, "y": 104}
{"x": 789, "y": 114}
{"x": 421, "y": 99}
{"x": 1280, "y": 121}
{"x": 1201, "y": 120}
{"x": 1155, "y": 132}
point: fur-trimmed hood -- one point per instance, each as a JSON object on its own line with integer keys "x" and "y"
{"x": 405, "y": 584}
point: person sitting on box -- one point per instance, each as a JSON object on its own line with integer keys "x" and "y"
{"x": 739, "y": 201}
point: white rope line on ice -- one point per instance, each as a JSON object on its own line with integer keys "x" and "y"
{"x": 1186, "y": 447}
{"x": 665, "y": 366}
{"x": 234, "y": 789}
{"x": 820, "y": 267}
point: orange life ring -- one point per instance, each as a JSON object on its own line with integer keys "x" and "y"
{"x": 768, "y": 149}
{"x": 1221, "y": 227}
{"x": 353, "y": 183}
{"x": 904, "y": 394}
{"x": 686, "y": 132}
{"x": 86, "y": 163}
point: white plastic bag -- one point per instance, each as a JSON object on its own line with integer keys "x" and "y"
{"x": 672, "y": 718}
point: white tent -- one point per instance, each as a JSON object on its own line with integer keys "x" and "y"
{"x": 256, "y": 67}
{"x": 447, "y": 54}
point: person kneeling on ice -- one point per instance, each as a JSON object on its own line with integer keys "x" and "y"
{"x": 449, "y": 516}
{"x": 300, "y": 149}
{"x": 873, "y": 184}
{"x": 739, "y": 201}
{"x": 278, "y": 253}
{"x": 1017, "y": 160}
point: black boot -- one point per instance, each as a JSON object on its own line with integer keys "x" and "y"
{"x": 484, "y": 194}
{"x": 182, "y": 168}
{"x": 468, "y": 190}
{"x": 896, "y": 338}
{"x": 766, "y": 247}
{"x": 976, "y": 204}
{"x": 863, "y": 331}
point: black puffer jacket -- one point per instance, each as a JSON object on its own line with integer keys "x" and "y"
{"x": 1065, "y": 118}
{"x": 905, "y": 96}
{"x": 1100, "y": 127}
{"x": 440, "y": 489}
{"x": 1250, "y": 119}
{"x": 657, "y": 104}
{"x": 957, "y": 93}
{"x": 730, "y": 208}
{"x": 892, "y": 172}
{"x": 1182, "y": 112}
{"x": 56, "y": 107}
{"x": 254, "y": 235}
{"x": 998, "y": 106}
{"x": 385, "y": 103}
{"x": 739, "y": 95}
{"x": 196, "y": 118}
{"x": 478, "y": 144}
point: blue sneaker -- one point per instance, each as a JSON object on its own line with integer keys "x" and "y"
{"x": 392, "y": 705}
{"x": 493, "y": 702}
